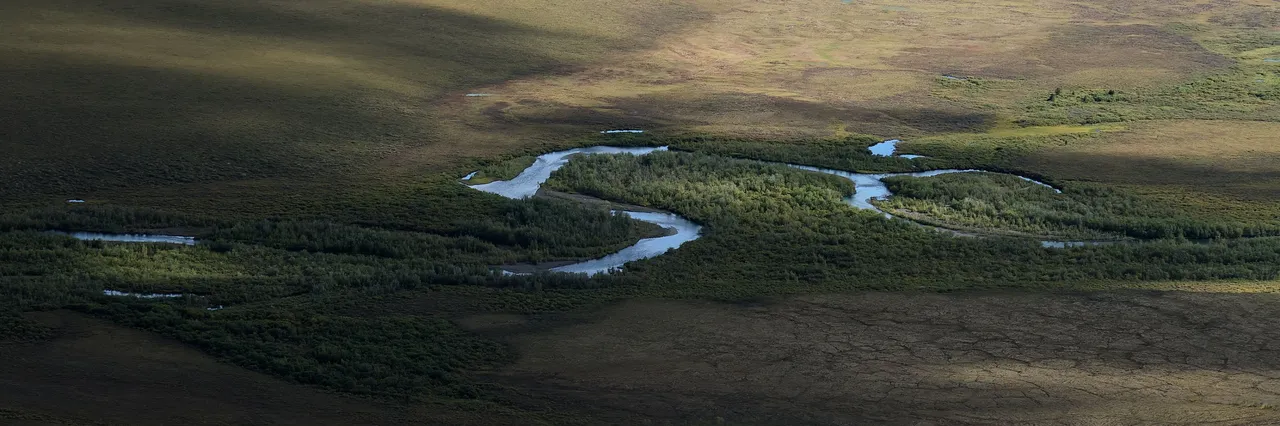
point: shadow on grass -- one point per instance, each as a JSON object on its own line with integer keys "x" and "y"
{"x": 109, "y": 95}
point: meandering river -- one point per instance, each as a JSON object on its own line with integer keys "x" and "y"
{"x": 869, "y": 186}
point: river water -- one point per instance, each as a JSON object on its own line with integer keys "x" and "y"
{"x": 528, "y": 181}
{"x": 141, "y": 295}
{"x": 869, "y": 186}
{"x": 887, "y": 148}
{"x": 685, "y": 231}
{"x": 130, "y": 238}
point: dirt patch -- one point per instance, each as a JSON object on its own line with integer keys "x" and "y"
{"x": 1103, "y": 358}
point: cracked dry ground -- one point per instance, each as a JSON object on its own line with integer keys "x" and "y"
{"x": 1129, "y": 357}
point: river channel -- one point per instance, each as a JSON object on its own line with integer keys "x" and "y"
{"x": 869, "y": 186}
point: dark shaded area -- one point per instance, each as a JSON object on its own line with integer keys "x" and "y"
{"x": 889, "y": 122}
{"x": 92, "y": 373}
{"x": 76, "y": 123}
{"x": 77, "y": 127}
{"x": 1245, "y": 183}
{"x": 944, "y": 121}
{"x": 1084, "y": 358}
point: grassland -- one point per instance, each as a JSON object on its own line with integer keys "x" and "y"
{"x": 1085, "y": 358}
{"x": 315, "y": 147}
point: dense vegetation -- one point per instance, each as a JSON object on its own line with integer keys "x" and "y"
{"x": 338, "y": 249}
{"x": 849, "y": 153}
{"x": 1083, "y": 211}
{"x": 797, "y": 235}
{"x": 502, "y": 170}
{"x": 279, "y": 279}
{"x": 301, "y": 295}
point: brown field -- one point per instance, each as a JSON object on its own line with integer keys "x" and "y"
{"x": 1215, "y": 167}
{"x": 1126, "y": 357}
{"x": 1175, "y": 354}
{"x": 1237, "y": 158}
{"x": 90, "y": 372}
{"x": 152, "y": 102}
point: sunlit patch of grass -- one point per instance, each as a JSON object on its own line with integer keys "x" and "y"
{"x": 1229, "y": 286}
{"x": 1210, "y": 170}
{"x": 1009, "y": 130}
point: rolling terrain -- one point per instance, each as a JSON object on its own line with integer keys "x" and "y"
{"x": 343, "y": 274}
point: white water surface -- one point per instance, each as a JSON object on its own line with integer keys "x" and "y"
{"x": 686, "y": 231}
{"x": 130, "y": 238}
{"x": 887, "y": 148}
{"x": 526, "y": 184}
{"x": 141, "y": 295}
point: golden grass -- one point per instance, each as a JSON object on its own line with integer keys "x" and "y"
{"x": 1240, "y": 152}
{"x": 115, "y": 99}
{"x": 1002, "y": 358}
{"x": 1015, "y": 131}
{"x": 1213, "y": 167}
{"x": 793, "y": 58}
{"x": 1208, "y": 287}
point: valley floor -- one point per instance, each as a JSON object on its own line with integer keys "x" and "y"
{"x": 1126, "y": 357}
{"x": 1106, "y": 357}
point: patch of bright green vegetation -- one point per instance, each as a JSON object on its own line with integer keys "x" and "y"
{"x": 1247, "y": 92}
{"x": 1241, "y": 42}
{"x": 276, "y": 279}
{"x": 988, "y": 201}
{"x": 770, "y": 231}
{"x": 271, "y": 274}
{"x": 848, "y": 153}
{"x": 1018, "y": 131}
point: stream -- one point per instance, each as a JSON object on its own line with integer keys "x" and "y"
{"x": 869, "y": 186}
{"x": 130, "y": 238}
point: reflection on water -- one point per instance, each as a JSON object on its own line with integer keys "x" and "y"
{"x": 528, "y": 181}
{"x": 141, "y": 295}
{"x": 686, "y": 231}
{"x": 130, "y": 238}
{"x": 887, "y": 148}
